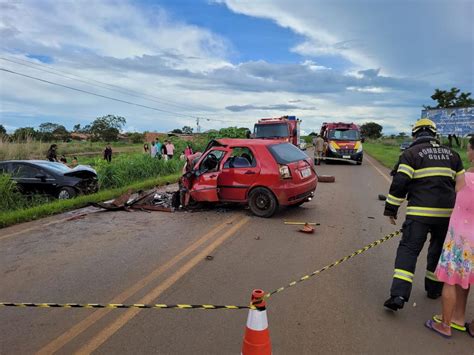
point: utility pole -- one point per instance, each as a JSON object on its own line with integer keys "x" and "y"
{"x": 198, "y": 128}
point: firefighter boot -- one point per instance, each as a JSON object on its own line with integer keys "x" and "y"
{"x": 394, "y": 303}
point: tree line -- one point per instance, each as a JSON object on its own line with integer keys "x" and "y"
{"x": 105, "y": 128}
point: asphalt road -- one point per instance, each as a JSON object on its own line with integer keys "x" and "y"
{"x": 137, "y": 257}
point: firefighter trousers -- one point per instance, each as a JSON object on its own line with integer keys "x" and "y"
{"x": 414, "y": 236}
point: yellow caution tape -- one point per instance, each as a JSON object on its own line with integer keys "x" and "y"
{"x": 196, "y": 306}
{"x": 122, "y": 306}
{"x": 340, "y": 261}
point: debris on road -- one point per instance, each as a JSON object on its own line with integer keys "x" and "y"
{"x": 326, "y": 178}
{"x": 302, "y": 223}
{"x": 209, "y": 257}
{"x": 307, "y": 229}
{"x": 142, "y": 201}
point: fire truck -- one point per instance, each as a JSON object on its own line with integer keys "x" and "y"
{"x": 285, "y": 128}
{"x": 343, "y": 141}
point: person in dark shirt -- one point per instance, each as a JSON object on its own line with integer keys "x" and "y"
{"x": 108, "y": 153}
{"x": 51, "y": 155}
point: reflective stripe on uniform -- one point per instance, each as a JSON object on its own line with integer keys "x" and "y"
{"x": 437, "y": 171}
{"x": 407, "y": 169}
{"x": 431, "y": 276}
{"x": 403, "y": 275}
{"x": 429, "y": 211}
{"x": 460, "y": 172}
{"x": 393, "y": 200}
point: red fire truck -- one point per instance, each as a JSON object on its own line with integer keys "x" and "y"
{"x": 285, "y": 128}
{"x": 343, "y": 141}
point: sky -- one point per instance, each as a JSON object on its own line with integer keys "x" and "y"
{"x": 163, "y": 64}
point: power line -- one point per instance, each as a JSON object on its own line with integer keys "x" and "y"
{"x": 121, "y": 89}
{"x": 109, "y": 97}
{"x": 89, "y": 81}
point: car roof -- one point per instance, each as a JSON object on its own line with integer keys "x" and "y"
{"x": 26, "y": 161}
{"x": 234, "y": 142}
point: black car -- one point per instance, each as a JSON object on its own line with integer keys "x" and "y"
{"x": 56, "y": 179}
{"x": 405, "y": 145}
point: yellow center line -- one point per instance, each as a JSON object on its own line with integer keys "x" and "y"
{"x": 80, "y": 327}
{"x": 107, "y": 332}
{"x": 385, "y": 176}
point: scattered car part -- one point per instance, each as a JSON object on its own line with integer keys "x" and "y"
{"x": 302, "y": 223}
{"x": 307, "y": 229}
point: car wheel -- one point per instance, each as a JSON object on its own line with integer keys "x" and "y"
{"x": 66, "y": 193}
{"x": 359, "y": 163}
{"x": 262, "y": 202}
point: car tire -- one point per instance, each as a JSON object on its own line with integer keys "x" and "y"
{"x": 66, "y": 193}
{"x": 262, "y": 202}
{"x": 359, "y": 163}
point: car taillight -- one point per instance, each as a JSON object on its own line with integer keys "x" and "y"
{"x": 284, "y": 171}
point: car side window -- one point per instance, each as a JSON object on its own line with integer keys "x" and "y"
{"x": 240, "y": 158}
{"x": 211, "y": 161}
{"x": 22, "y": 171}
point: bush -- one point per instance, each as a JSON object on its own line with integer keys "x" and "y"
{"x": 11, "y": 197}
{"x": 126, "y": 169}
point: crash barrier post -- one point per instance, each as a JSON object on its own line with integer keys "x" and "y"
{"x": 257, "y": 337}
{"x": 200, "y": 306}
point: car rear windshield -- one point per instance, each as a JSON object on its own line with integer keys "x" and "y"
{"x": 286, "y": 153}
{"x": 276, "y": 130}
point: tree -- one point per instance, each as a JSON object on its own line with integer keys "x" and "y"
{"x": 3, "y": 131}
{"x": 107, "y": 128}
{"x": 49, "y": 132}
{"x": 24, "y": 134}
{"x": 402, "y": 135}
{"x": 233, "y": 132}
{"x": 61, "y": 134}
{"x": 177, "y": 131}
{"x": 371, "y": 130}
{"x": 313, "y": 134}
{"x": 136, "y": 137}
{"x": 187, "y": 130}
{"x": 76, "y": 128}
{"x": 447, "y": 99}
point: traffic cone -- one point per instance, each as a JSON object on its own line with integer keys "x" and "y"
{"x": 257, "y": 336}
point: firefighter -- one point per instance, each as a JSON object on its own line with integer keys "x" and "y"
{"x": 425, "y": 175}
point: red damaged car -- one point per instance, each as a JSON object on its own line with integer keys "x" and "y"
{"x": 264, "y": 174}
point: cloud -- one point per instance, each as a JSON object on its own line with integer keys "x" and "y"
{"x": 404, "y": 38}
{"x": 281, "y": 107}
{"x": 388, "y": 71}
{"x": 370, "y": 89}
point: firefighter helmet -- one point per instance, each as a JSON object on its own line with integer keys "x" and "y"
{"x": 424, "y": 124}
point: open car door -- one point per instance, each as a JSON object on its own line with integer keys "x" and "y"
{"x": 204, "y": 187}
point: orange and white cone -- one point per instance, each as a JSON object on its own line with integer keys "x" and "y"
{"x": 257, "y": 336}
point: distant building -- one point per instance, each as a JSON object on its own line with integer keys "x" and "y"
{"x": 80, "y": 136}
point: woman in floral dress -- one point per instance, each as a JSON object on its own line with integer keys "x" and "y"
{"x": 456, "y": 264}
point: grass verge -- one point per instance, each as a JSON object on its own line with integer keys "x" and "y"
{"x": 59, "y": 206}
{"x": 387, "y": 154}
